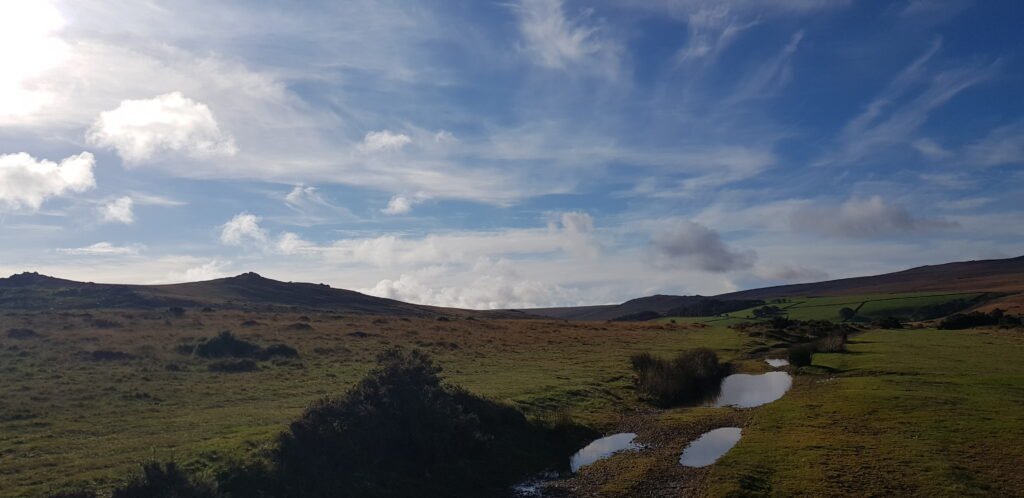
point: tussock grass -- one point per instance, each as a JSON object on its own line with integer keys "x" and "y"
{"x": 689, "y": 377}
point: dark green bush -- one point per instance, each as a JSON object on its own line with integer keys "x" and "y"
{"x": 689, "y": 377}
{"x": 401, "y": 432}
{"x": 22, "y": 334}
{"x": 163, "y": 481}
{"x": 889, "y": 322}
{"x": 833, "y": 343}
{"x": 279, "y": 350}
{"x": 233, "y": 366}
{"x": 226, "y": 345}
{"x": 801, "y": 355}
{"x": 77, "y": 493}
{"x": 847, "y": 314}
{"x": 973, "y": 319}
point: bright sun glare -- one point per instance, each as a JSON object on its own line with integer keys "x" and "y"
{"x": 28, "y": 49}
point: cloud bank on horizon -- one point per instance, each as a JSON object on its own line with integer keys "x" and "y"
{"x": 509, "y": 154}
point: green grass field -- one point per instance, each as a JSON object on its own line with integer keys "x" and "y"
{"x": 827, "y": 308}
{"x": 905, "y": 413}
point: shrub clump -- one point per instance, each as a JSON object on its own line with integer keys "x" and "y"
{"x": 801, "y": 355}
{"x": 689, "y": 377}
{"x": 233, "y": 366}
{"x": 107, "y": 355}
{"x": 163, "y": 481}
{"x": 226, "y": 345}
{"x": 996, "y": 317}
{"x": 22, "y": 334}
{"x": 889, "y": 322}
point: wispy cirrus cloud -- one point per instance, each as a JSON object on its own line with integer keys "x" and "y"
{"x": 894, "y": 116}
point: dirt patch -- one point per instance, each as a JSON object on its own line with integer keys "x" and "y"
{"x": 653, "y": 471}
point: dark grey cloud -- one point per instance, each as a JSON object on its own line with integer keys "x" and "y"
{"x": 698, "y": 246}
{"x": 863, "y": 218}
{"x": 795, "y": 274}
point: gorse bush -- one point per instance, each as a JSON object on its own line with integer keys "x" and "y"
{"x": 226, "y": 345}
{"x": 996, "y": 317}
{"x": 163, "y": 481}
{"x": 689, "y": 377}
{"x": 801, "y": 355}
{"x": 401, "y": 432}
{"x": 233, "y": 366}
{"x": 833, "y": 343}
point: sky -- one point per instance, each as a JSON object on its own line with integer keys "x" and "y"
{"x": 509, "y": 154}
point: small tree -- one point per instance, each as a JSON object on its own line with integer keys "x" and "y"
{"x": 847, "y": 314}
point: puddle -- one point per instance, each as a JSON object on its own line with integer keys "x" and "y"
{"x": 776, "y": 362}
{"x": 603, "y": 448}
{"x": 533, "y": 488}
{"x": 708, "y": 448}
{"x": 748, "y": 391}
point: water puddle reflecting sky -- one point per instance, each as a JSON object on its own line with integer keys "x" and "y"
{"x": 708, "y": 448}
{"x": 603, "y": 448}
{"x": 747, "y": 391}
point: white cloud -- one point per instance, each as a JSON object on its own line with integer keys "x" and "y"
{"x": 118, "y": 211}
{"x": 398, "y": 205}
{"x": 145, "y": 199}
{"x": 385, "y": 140}
{"x": 711, "y": 31}
{"x": 140, "y": 130}
{"x": 207, "y": 271}
{"x": 495, "y": 285}
{"x": 570, "y": 236}
{"x": 243, "y": 229}
{"x": 102, "y": 249}
{"x": 290, "y": 243}
{"x": 445, "y": 137}
{"x": 26, "y": 182}
{"x": 792, "y": 273}
{"x": 700, "y": 246}
{"x": 864, "y": 218}
{"x": 931, "y": 149}
{"x": 1004, "y": 145}
{"x": 556, "y": 41}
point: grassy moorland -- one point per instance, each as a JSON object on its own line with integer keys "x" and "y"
{"x": 905, "y": 413}
{"x": 69, "y": 415}
{"x": 919, "y": 412}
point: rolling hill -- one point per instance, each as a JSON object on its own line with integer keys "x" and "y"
{"x": 1004, "y": 276}
{"x": 32, "y": 291}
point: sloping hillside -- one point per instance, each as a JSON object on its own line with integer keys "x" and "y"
{"x": 636, "y": 308}
{"x": 992, "y": 275}
{"x": 31, "y": 291}
{"x": 996, "y": 275}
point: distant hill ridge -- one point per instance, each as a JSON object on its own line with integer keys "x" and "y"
{"x": 992, "y": 275}
{"x": 33, "y": 291}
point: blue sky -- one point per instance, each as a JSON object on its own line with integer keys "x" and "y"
{"x": 509, "y": 154}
